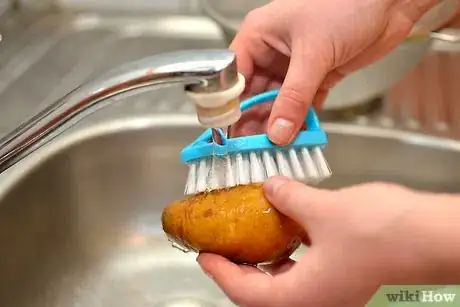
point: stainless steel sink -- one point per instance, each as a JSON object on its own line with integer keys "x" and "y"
{"x": 80, "y": 218}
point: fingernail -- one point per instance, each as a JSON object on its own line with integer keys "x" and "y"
{"x": 274, "y": 184}
{"x": 281, "y": 130}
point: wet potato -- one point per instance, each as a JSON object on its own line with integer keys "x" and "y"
{"x": 237, "y": 223}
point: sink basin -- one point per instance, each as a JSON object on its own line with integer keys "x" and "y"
{"x": 80, "y": 218}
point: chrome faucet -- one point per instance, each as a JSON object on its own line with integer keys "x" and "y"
{"x": 200, "y": 71}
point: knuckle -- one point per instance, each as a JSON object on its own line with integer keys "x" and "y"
{"x": 293, "y": 99}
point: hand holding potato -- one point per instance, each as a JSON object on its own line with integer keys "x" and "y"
{"x": 361, "y": 237}
{"x": 237, "y": 223}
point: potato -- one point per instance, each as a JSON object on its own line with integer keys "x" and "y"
{"x": 237, "y": 223}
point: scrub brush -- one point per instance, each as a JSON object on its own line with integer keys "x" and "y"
{"x": 253, "y": 159}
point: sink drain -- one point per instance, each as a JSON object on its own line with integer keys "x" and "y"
{"x": 185, "y": 302}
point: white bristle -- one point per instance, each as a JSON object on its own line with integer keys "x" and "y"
{"x": 190, "y": 186}
{"x": 257, "y": 168}
{"x": 218, "y": 172}
{"x": 270, "y": 164}
{"x": 214, "y": 175}
{"x": 243, "y": 170}
{"x": 202, "y": 175}
{"x": 283, "y": 164}
{"x": 231, "y": 173}
{"x": 296, "y": 166}
{"x": 321, "y": 162}
{"x": 309, "y": 164}
{"x": 306, "y": 165}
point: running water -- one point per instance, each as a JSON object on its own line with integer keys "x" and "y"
{"x": 178, "y": 246}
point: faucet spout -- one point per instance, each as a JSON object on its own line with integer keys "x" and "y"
{"x": 201, "y": 72}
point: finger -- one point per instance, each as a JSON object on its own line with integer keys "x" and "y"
{"x": 274, "y": 84}
{"x": 252, "y": 51}
{"x": 258, "y": 84}
{"x": 320, "y": 98}
{"x": 245, "y": 287}
{"x": 305, "y": 75}
{"x": 252, "y": 121}
{"x": 244, "y": 60}
{"x": 278, "y": 268}
{"x": 302, "y": 203}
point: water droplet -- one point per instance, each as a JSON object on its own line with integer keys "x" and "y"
{"x": 179, "y": 246}
{"x": 268, "y": 210}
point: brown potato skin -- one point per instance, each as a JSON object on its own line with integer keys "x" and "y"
{"x": 237, "y": 223}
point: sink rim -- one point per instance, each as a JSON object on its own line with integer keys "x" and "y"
{"x": 12, "y": 176}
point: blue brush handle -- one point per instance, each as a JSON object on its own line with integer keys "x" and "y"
{"x": 201, "y": 147}
{"x": 311, "y": 120}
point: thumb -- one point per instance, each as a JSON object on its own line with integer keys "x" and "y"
{"x": 304, "y": 77}
{"x": 303, "y": 204}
